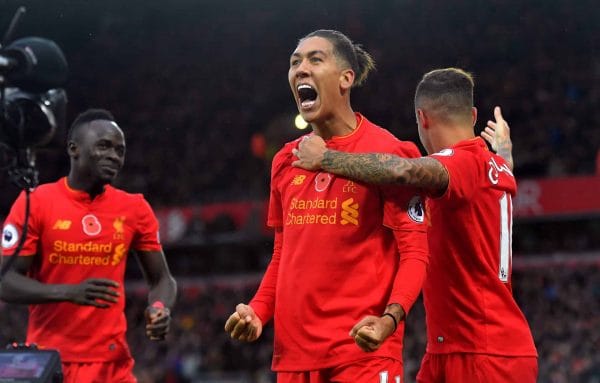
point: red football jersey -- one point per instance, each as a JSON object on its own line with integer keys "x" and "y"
{"x": 75, "y": 238}
{"x": 468, "y": 293}
{"x": 339, "y": 256}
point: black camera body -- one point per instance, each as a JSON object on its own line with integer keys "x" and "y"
{"x": 32, "y": 101}
{"x": 28, "y": 364}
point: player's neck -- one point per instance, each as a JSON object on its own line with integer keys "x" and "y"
{"x": 92, "y": 187}
{"x": 339, "y": 124}
{"x": 449, "y": 135}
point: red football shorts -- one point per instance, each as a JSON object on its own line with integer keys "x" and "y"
{"x": 119, "y": 371}
{"x": 477, "y": 368}
{"x": 369, "y": 370}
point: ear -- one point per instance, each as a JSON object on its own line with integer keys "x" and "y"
{"x": 72, "y": 149}
{"x": 347, "y": 79}
{"x": 422, "y": 118}
{"x": 474, "y": 115}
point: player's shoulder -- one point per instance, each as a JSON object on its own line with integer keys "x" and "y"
{"x": 124, "y": 196}
{"x": 47, "y": 190}
{"x": 285, "y": 156}
{"x": 389, "y": 141}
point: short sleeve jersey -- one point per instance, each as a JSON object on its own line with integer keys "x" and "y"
{"x": 74, "y": 238}
{"x": 468, "y": 293}
{"x": 339, "y": 255}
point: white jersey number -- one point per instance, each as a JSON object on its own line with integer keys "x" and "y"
{"x": 383, "y": 377}
{"x": 505, "y": 237}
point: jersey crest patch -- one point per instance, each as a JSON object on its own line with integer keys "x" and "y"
{"x": 10, "y": 236}
{"x": 91, "y": 225}
{"x": 415, "y": 209}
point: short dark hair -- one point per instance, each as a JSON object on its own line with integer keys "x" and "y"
{"x": 351, "y": 54}
{"x": 86, "y": 117}
{"x": 447, "y": 92}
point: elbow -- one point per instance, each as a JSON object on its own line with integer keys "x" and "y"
{"x": 172, "y": 283}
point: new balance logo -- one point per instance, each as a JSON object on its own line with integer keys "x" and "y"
{"x": 298, "y": 180}
{"x": 62, "y": 224}
{"x": 349, "y": 212}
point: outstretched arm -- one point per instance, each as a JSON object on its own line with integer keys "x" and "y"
{"x": 497, "y": 133}
{"x": 375, "y": 168}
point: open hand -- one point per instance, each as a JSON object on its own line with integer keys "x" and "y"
{"x": 98, "y": 292}
{"x": 497, "y": 134}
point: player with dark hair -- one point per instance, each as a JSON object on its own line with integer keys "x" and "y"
{"x": 72, "y": 265}
{"x": 475, "y": 330}
{"x": 349, "y": 259}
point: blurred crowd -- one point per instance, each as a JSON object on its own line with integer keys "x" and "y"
{"x": 562, "y": 305}
{"x": 202, "y": 93}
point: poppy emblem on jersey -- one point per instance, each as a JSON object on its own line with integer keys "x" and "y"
{"x": 444, "y": 152}
{"x": 415, "y": 209}
{"x": 322, "y": 181}
{"x": 10, "y": 236}
{"x": 91, "y": 225}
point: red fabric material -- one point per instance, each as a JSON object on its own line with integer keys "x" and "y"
{"x": 468, "y": 292}
{"x": 477, "y": 368}
{"x": 339, "y": 257}
{"x": 75, "y": 238}
{"x": 101, "y": 372}
{"x": 368, "y": 370}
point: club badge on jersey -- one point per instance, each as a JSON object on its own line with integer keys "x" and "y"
{"x": 415, "y": 209}
{"x": 10, "y": 236}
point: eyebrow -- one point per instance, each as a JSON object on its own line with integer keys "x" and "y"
{"x": 309, "y": 54}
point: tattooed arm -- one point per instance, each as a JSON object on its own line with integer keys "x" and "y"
{"x": 374, "y": 168}
{"x": 498, "y": 135}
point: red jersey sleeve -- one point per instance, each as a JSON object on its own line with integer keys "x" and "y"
{"x": 403, "y": 209}
{"x": 275, "y": 213}
{"x": 405, "y": 214}
{"x": 263, "y": 302}
{"x": 146, "y": 237}
{"x": 13, "y": 227}
{"x": 462, "y": 167}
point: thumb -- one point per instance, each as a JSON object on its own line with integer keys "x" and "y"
{"x": 363, "y": 322}
{"x": 498, "y": 114}
{"x": 245, "y": 312}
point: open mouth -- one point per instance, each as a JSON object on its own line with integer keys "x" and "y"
{"x": 307, "y": 96}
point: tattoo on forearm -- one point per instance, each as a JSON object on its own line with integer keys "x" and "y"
{"x": 382, "y": 168}
{"x": 504, "y": 150}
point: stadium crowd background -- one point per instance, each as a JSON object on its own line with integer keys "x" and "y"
{"x": 200, "y": 89}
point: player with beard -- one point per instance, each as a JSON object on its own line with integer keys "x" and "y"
{"x": 72, "y": 265}
{"x": 349, "y": 258}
